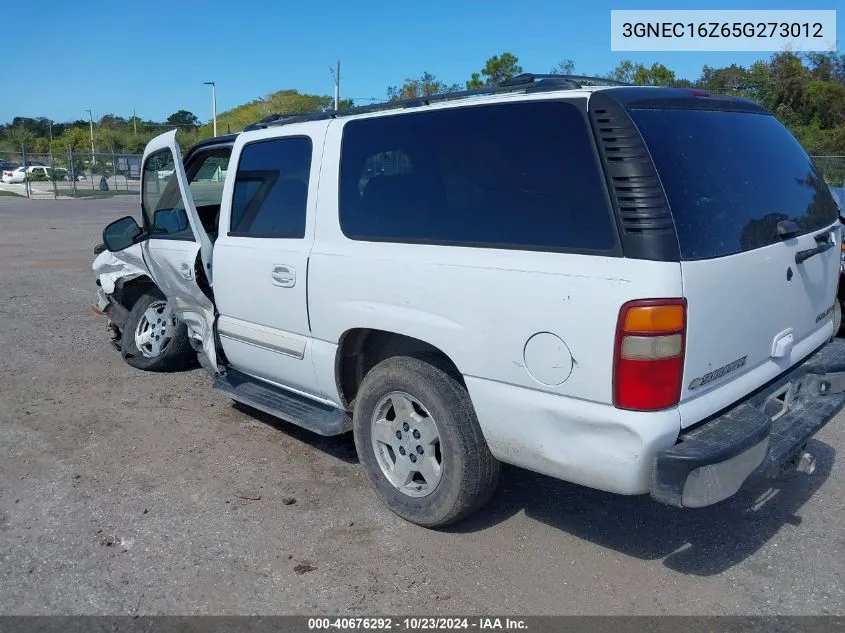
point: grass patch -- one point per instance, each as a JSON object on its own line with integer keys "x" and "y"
{"x": 82, "y": 193}
{"x": 10, "y": 194}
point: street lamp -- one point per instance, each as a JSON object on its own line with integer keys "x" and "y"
{"x": 91, "y": 122}
{"x": 213, "y": 103}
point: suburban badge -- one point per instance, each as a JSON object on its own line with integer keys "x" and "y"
{"x": 717, "y": 373}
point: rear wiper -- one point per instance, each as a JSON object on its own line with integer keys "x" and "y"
{"x": 824, "y": 244}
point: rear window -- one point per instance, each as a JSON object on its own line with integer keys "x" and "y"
{"x": 518, "y": 176}
{"x": 730, "y": 177}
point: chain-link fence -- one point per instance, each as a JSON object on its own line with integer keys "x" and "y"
{"x": 832, "y": 169}
{"x": 70, "y": 174}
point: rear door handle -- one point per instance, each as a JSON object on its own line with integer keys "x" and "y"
{"x": 284, "y": 276}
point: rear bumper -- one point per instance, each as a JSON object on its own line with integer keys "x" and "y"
{"x": 762, "y": 435}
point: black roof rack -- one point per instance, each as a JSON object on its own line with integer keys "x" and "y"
{"x": 526, "y": 82}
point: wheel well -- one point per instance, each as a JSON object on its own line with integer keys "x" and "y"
{"x": 127, "y": 293}
{"x": 361, "y": 349}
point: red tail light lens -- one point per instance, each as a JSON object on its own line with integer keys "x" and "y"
{"x": 648, "y": 360}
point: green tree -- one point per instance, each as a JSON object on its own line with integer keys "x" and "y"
{"x": 729, "y": 79}
{"x": 427, "y": 84}
{"x": 40, "y": 145}
{"x": 496, "y": 70}
{"x": 563, "y": 67}
{"x": 112, "y": 121}
{"x": 20, "y": 136}
{"x": 825, "y": 104}
{"x": 183, "y": 118}
{"x": 77, "y": 138}
{"x": 789, "y": 79}
{"x": 641, "y": 75}
{"x": 475, "y": 82}
{"x": 624, "y": 71}
{"x": 654, "y": 75}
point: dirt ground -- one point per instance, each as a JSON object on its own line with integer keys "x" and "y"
{"x": 124, "y": 492}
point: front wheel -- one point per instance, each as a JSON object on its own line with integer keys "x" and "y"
{"x": 420, "y": 443}
{"x": 153, "y": 339}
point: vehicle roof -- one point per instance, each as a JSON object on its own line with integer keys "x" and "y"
{"x": 223, "y": 139}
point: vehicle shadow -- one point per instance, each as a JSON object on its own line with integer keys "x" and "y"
{"x": 341, "y": 447}
{"x": 701, "y": 542}
{"x": 698, "y": 541}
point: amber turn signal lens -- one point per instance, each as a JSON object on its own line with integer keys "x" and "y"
{"x": 659, "y": 318}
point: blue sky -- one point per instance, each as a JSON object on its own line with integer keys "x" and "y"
{"x": 153, "y": 56}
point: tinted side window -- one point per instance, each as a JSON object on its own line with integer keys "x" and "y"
{"x": 206, "y": 176}
{"x": 520, "y": 175}
{"x": 271, "y": 188}
{"x": 730, "y": 177}
{"x": 164, "y": 209}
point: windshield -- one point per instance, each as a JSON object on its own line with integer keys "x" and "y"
{"x": 730, "y": 177}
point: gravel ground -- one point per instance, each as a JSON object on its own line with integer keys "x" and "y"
{"x": 124, "y": 492}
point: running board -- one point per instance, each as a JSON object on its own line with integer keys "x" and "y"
{"x": 318, "y": 417}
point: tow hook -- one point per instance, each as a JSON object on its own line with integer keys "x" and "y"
{"x": 805, "y": 463}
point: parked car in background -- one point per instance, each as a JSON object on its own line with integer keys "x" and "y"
{"x": 39, "y": 172}
{"x": 16, "y": 175}
{"x": 6, "y": 165}
{"x": 61, "y": 173}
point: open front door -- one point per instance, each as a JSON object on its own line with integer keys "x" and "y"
{"x": 178, "y": 251}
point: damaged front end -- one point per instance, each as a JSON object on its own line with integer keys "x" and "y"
{"x": 114, "y": 271}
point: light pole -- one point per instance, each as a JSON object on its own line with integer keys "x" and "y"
{"x": 213, "y": 103}
{"x": 336, "y": 76}
{"x": 51, "y": 142}
{"x": 91, "y": 123}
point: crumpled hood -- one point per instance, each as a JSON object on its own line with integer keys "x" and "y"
{"x": 126, "y": 264}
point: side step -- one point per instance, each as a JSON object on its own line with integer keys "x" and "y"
{"x": 287, "y": 405}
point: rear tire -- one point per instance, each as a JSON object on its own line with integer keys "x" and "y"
{"x": 152, "y": 338}
{"x": 420, "y": 443}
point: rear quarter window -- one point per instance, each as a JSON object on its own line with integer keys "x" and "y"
{"x": 521, "y": 176}
{"x": 730, "y": 177}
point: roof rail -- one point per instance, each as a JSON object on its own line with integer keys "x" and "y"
{"x": 526, "y": 78}
{"x": 526, "y": 82}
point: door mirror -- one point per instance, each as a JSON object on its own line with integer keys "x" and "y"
{"x": 121, "y": 234}
{"x": 170, "y": 221}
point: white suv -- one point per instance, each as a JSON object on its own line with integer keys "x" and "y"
{"x": 628, "y": 288}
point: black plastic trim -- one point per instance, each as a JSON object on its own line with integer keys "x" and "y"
{"x": 265, "y": 236}
{"x": 297, "y": 408}
{"x": 170, "y": 236}
{"x": 644, "y": 220}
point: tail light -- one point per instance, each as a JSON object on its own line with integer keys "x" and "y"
{"x": 648, "y": 359}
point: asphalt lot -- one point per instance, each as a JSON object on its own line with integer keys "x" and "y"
{"x": 126, "y": 492}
